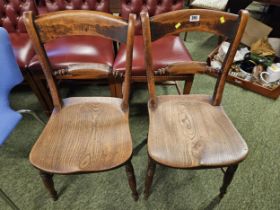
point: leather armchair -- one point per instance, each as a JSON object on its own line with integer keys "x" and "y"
{"x": 165, "y": 51}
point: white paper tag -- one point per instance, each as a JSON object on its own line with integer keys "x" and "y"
{"x": 194, "y": 18}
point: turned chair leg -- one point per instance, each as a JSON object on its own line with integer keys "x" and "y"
{"x": 48, "y": 182}
{"x": 188, "y": 85}
{"x": 149, "y": 177}
{"x": 131, "y": 179}
{"x": 228, "y": 176}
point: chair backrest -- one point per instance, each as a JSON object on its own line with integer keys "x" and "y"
{"x": 43, "y": 29}
{"x": 11, "y": 14}
{"x": 227, "y": 25}
{"x": 95, "y": 5}
{"x": 10, "y": 77}
{"x": 153, "y": 7}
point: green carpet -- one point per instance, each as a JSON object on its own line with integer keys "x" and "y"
{"x": 256, "y": 184}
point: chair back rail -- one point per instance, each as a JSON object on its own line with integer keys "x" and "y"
{"x": 216, "y": 22}
{"x": 45, "y": 28}
{"x": 224, "y": 24}
{"x": 68, "y": 23}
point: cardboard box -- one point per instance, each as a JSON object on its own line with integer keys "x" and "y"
{"x": 254, "y": 31}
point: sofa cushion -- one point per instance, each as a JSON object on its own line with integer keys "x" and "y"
{"x": 75, "y": 50}
{"x": 165, "y": 51}
{"x": 22, "y": 48}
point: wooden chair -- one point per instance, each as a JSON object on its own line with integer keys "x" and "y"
{"x": 192, "y": 131}
{"x": 83, "y": 134}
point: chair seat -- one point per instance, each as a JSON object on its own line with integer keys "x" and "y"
{"x": 210, "y": 4}
{"x": 87, "y": 135}
{"x": 76, "y": 50}
{"x": 187, "y": 132}
{"x": 165, "y": 51}
{"x": 22, "y": 47}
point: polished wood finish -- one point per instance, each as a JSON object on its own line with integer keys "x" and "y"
{"x": 192, "y": 131}
{"x": 59, "y": 24}
{"x": 89, "y": 134}
{"x": 48, "y": 182}
{"x": 83, "y": 134}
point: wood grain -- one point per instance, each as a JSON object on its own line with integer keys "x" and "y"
{"x": 94, "y": 70}
{"x": 187, "y": 131}
{"x": 209, "y": 21}
{"x": 89, "y": 134}
{"x": 224, "y": 24}
{"x": 75, "y": 22}
{"x": 192, "y": 131}
{"x": 83, "y": 134}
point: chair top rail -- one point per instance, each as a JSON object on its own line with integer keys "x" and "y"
{"x": 217, "y": 22}
{"x": 76, "y": 22}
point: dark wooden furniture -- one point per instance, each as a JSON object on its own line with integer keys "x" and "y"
{"x": 192, "y": 131}
{"x": 165, "y": 51}
{"x": 83, "y": 134}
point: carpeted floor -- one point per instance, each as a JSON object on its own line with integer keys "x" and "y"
{"x": 256, "y": 184}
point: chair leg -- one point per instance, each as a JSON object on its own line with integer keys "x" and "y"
{"x": 227, "y": 179}
{"x": 33, "y": 84}
{"x": 149, "y": 177}
{"x": 118, "y": 90}
{"x": 43, "y": 89}
{"x": 48, "y": 182}
{"x": 185, "y": 36}
{"x": 188, "y": 85}
{"x": 131, "y": 179}
{"x": 112, "y": 87}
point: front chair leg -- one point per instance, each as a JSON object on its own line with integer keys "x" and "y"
{"x": 149, "y": 177}
{"x": 227, "y": 179}
{"x": 131, "y": 180}
{"x": 48, "y": 182}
